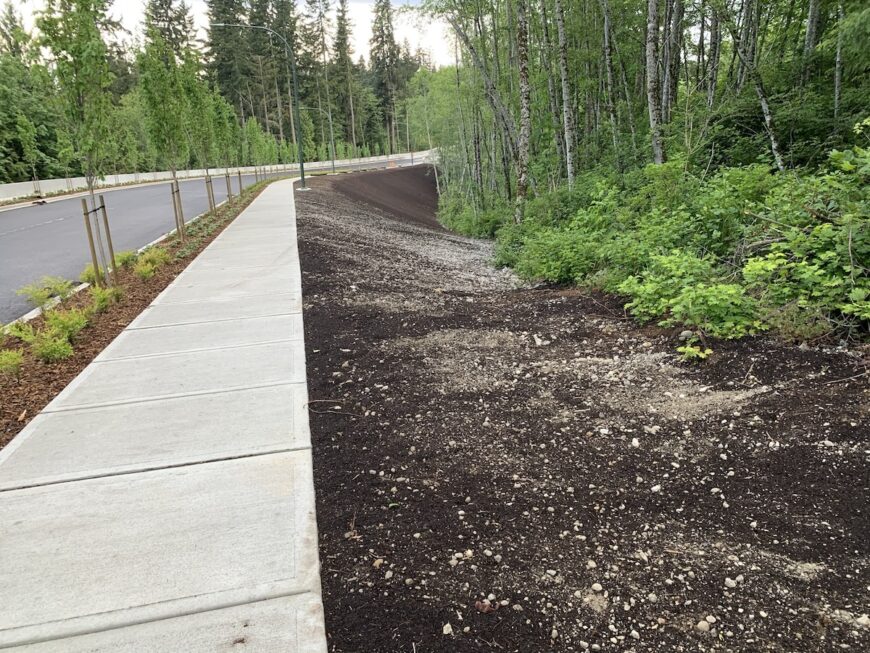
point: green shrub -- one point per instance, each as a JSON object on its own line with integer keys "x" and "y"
{"x": 721, "y": 310}
{"x": 66, "y": 323}
{"x": 102, "y": 298}
{"x": 21, "y": 330}
{"x": 144, "y": 270}
{"x": 50, "y": 346}
{"x": 693, "y": 353}
{"x": 89, "y": 274}
{"x": 654, "y": 291}
{"x": 460, "y": 214}
{"x": 155, "y": 256}
{"x": 126, "y": 259}
{"x": 10, "y": 363}
{"x": 40, "y": 293}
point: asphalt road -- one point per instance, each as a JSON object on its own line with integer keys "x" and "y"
{"x": 50, "y": 239}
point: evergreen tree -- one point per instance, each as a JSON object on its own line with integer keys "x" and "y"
{"x": 173, "y": 20}
{"x": 384, "y": 62}
{"x": 227, "y": 50}
{"x": 343, "y": 76}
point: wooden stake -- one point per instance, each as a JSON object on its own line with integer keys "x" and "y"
{"x": 109, "y": 240}
{"x": 87, "y": 215}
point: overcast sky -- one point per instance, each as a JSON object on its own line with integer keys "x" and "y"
{"x": 432, "y": 37}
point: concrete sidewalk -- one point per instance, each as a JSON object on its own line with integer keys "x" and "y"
{"x": 164, "y": 500}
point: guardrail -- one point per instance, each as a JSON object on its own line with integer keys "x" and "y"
{"x": 45, "y": 187}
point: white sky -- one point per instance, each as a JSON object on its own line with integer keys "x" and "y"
{"x": 432, "y": 37}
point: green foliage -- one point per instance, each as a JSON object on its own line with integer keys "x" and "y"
{"x": 144, "y": 270}
{"x": 736, "y": 253}
{"x": 156, "y": 256}
{"x": 50, "y": 346}
{"x": 46, "y": 289}
{"x": 66, "y": 323}
{"x": 102, "y": 298}
{"x": 150, "y": 261}
{"x": 693, "y": 353}
{"x": 89, "y": 274}
{"x": 126, "y": 259}
{"x": 10, "y": 363}
{"x": 460, "y": 215}
{"x": 22, "y": 330}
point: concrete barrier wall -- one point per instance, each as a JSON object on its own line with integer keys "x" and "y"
{"x": 45, "y": 187}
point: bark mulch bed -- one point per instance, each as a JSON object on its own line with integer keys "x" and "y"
{"x": 21, "y": 399}
{"x": 501, "y": 468}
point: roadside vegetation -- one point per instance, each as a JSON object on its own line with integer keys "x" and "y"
{"x": 725, "y": 195}
{"x": 40, "y": 356}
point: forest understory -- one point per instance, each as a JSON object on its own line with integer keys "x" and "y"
{"x": 512, "y": 468}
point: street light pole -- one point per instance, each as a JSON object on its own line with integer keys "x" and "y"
{"x": 292, "y": 58}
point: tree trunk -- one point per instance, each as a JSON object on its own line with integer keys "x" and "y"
{"x": 714, "y": 56}
{"x": 525, "y": 108}
{"x": 810, "y": 38}
{"x": 758, "y": 83}
{"x": 652, "y": 81}
{"x": 555, "y": 101}
{"x": 838, "y": 62}
{"x": 610, "y": 83}
{"x": 501, "y": 112}
{"x": 672, "y": 72}
{"x": 567, "y": 112}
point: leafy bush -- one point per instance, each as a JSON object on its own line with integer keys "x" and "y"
{"x": 155, "y": 256}
{"x": 102, "y": 298}
{"x": 150, "y": 261}
{"x": 692, "y": 353}
{"x": 40, "y": 293}
{"x": 740, "y": 251}
{"x": 89, "y": 274}
{"x": 126, "y": 259}
{"x": 66, "y": 323}
{"x": 654, "y": 292}
{"x": 21, "y": 330}
{"x": 50, "y": 346}
{"x": 10, "y": 363}
{"x": 458, "y": 214}
{"x": 144, "y": 270}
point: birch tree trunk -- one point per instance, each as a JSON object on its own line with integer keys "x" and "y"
{"x": 567, "y": 112}
{"x": 838, "y": 62}
{"x": 498, "y": 107}
{"x": 652, "y": 81}
{"x": 525, "y": 108}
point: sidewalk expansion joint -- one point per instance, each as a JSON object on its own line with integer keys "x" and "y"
{"x": 158, "y": 302}
{"x": 78, "y": 632}
{"x": 195, "y": 350}
{"x": 174, "y": 395}
{"x": 109, "y": 473}
{"x": 221, "y": 319}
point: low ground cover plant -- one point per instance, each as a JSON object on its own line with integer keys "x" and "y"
{"x": 10, "y": 363}
{"x": 40, "y": 293}
{"x": 739, "y": 251}
{"x": 149, "y": 261}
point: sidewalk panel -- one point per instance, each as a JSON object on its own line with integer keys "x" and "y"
{"x": 126, "y": 549}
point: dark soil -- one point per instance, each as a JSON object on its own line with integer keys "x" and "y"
{"x": 21, "y": 399}
{"x": 511, "y": 469}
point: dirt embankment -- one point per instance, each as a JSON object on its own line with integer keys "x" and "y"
{"x": 510, "y": 469}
